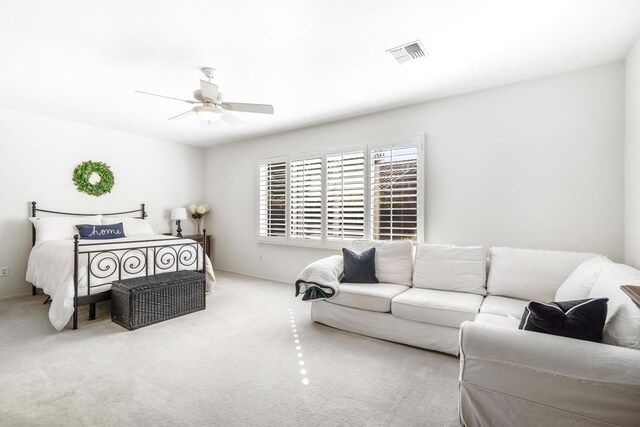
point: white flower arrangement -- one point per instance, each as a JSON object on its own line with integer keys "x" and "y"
{"x": 197, "y": 212}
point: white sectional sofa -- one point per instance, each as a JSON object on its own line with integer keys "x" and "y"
{"x": 427, "y": 291}
{"x": 461, "y": 300}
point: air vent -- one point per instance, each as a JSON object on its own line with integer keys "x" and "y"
{"x": 407, "y": 52}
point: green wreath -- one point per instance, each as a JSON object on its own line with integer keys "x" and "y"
{"x": 82, "y": 178}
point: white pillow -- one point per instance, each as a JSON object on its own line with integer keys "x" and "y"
{"x": 60, "y": 227}
{"x": 450, "y": 268}
{"x": 132, "y": 226}
{"x": 579, "y": 284}
{"x": 531, "y": 274}
{"x": 623, "y": 316}
{"x": 394, "y": 259}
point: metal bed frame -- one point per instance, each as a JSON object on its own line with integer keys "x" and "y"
{"x": 103, "y": 263}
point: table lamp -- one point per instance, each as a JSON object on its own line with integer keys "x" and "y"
{"x": 178, "y": 214}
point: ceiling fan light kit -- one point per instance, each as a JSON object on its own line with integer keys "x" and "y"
{"x": 209, "y": 113}
{"x": 212, "y": 108}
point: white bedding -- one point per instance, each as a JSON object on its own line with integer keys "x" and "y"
{"x": 50, "y": 267}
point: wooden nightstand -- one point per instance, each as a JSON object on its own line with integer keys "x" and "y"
{"x": 197, "y": 238}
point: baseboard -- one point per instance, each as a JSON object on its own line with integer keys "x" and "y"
{"x": 226, "y": 270}
{"x": 255, "y": 276}
{"x": 16, "y": 295}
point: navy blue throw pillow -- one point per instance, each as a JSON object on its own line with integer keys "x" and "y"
{"x": 359, "y": 268}
{"x": 100, "y": 232}
{"x": 579, "y": 319}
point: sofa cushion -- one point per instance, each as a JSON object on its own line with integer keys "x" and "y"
{"x": 394, "y": 259}
{"x": 450, "y": 268}
{"x": 623, "y": 317}
{"x": 496, "y": 320}
{"x": 579, "y": 319}
{"x": 359, "y": 268}
{"x": 579, "y": 283}
{"x": 503, "y": 306}
{"x": 531, "y": 274}
{"x": 442, "y": 308}
{"x": 368, "y": 296}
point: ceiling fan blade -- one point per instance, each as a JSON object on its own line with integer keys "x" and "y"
{"x": 248, "y": 108}
{"x": 232, "y": 120}
{"x": 181, "y": 115}
{"x": 208, "y": 90}
{"x": 168, "y": 97}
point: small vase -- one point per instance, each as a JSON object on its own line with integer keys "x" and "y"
{"x": 199, "y": 225}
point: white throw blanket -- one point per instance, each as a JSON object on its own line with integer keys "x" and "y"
{"x": 320, "y": 279}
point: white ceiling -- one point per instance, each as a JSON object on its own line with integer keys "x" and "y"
{"x": 315, "y": 61}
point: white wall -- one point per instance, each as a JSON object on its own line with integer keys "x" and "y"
{"x": 632, "y": 158}
{"x": 37, "y": 158}
{"x": 536, "y": 164}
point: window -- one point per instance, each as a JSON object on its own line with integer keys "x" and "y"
{"x": 326, "y": 199}
{"x": 305, "y": 212}
{"x": 394, "y": 193}
{"x": 345, "y": 181}
{"x": 272, "y": 210}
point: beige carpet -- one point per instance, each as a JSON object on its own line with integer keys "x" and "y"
{"x": 235, "y": 364}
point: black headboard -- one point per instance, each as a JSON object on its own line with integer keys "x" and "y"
{"x": 34, "y": 212}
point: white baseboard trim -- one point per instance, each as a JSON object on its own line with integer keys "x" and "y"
{"x": 226, "y": 270}
{"x": 255, "y": 276}
{"x": 17, "y": 295}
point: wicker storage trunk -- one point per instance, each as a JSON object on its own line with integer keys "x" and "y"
{"x": 143, "y": 301}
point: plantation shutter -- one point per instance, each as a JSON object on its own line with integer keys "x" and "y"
{"x": 345, "y": 196}
{"x": 394, "y": 193}
{"x": 305, "y": 195}
{"x": 272, "y": 210}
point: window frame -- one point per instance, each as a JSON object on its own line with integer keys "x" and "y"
{"x": 414, "y": 140}
{"x": 410, "y": 140}
{"x": 272, "y": 239}
{"x": 339, "y": 243}
{"x": 298, "y": 241}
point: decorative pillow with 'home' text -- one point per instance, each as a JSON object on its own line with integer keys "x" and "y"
{"x": 100, "y": 232}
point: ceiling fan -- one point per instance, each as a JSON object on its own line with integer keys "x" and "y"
{"x": 209, "y": 105}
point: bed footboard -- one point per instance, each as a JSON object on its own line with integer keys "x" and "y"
{"x": 105, "y": 263}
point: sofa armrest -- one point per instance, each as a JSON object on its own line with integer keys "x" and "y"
{"x": 522, "y": 375}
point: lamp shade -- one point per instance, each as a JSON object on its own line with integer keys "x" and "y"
{"x": 179, "y": 213}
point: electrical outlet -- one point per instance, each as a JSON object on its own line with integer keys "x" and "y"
{"x": 4, "y": 271}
